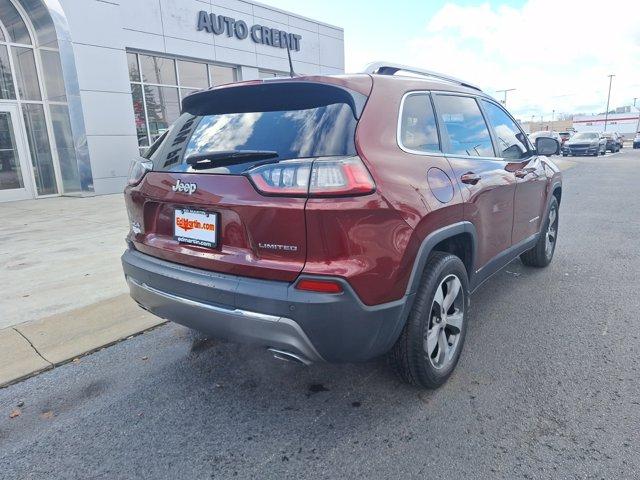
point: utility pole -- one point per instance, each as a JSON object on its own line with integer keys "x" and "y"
{"x": 553, "y": 116}
{"x": 606, "y": 114}
{"x": 504, "y": 102}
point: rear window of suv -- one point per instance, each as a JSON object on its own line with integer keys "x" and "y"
{"x": 314, "y": 121}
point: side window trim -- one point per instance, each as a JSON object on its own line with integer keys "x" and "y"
{"x": 494, "y": 138}
{"x": 444, "y": 144}
{"x": 402, "y": 147}
{"x": 496, "y": 145}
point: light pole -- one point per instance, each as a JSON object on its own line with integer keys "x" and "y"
{"x": 606, "y": 114}
{"x": 504, "y": 102}
{"x": 553, "y": 116}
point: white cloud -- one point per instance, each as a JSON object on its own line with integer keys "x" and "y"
{"x": 556, "y": 54}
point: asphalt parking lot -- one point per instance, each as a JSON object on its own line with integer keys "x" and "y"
{"x": 547, "y": 386}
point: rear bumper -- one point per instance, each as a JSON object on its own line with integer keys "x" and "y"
{"x": 272, "y": 314}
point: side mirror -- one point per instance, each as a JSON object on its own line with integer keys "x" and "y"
{"x": 547, "y": 146}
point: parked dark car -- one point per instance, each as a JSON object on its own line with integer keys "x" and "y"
{"x": 613, "y": 142}
{"x": 585, "y": 143}
{"x": 338, "y": 218}
{"x": 636, "y": 141}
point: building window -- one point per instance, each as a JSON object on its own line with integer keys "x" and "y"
{"x": 31, "y": 76}
{"x": 158, "y": 85}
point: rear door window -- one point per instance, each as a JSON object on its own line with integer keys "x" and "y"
{"x": 512, "y": 143}
{"x": 466, "y": 132}
{"x": 418, "y": 129}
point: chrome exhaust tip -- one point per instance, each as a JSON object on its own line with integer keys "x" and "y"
{"x": 289, "y": 357}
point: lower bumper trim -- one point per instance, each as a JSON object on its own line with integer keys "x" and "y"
{"x": 227, "y": 323}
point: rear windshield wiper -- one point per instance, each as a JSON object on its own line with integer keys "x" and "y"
{"x": 205, "y": 160}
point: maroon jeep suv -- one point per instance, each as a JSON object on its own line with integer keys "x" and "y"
{"x": 338, "y": 218}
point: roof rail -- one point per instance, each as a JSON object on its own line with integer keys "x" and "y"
{"x": 386, "y": 68}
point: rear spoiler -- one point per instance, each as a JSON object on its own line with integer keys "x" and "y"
{"x": 271, "y": 97}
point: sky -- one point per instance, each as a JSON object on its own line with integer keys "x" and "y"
{"x": 556, "y": 54}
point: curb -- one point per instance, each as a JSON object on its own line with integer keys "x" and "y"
{"x": 40, "y": 345}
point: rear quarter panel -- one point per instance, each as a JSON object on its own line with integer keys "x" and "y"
{"x": 373, "y": 241}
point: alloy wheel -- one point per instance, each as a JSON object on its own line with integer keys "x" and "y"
{"x": 550, "y": 235}
{"x": 442, "y": 336}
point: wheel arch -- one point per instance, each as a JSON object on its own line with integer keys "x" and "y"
{"x": 459, "y": 239}
{"x": 556, "y": 191}
{"x": 445, "y": 236}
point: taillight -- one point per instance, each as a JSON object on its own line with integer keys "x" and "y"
{"x": 347, "y": 176}
{"x": 138, "y": 169}
{"x": 319, "y": 286}
{"x": 282, "y": 178}
{"x": 323, "y": 177}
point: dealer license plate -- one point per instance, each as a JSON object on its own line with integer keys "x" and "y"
{"x": 195, "y": 227}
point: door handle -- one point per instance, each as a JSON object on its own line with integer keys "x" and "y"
{"x": 470, "y": 178}
{"x": 523, "y": 172}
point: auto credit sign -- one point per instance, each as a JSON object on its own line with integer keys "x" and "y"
{"x": 223, "y": 25}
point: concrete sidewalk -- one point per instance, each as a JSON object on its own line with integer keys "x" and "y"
{"x": 63, "y": 289}
{"x": 58, "y": 254}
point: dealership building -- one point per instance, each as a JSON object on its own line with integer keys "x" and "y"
{"x": 626, "y": 121}
{"x": 86, "y": 85}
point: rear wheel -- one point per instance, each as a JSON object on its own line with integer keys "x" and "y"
{"x": 542, "y": 253}
{"x": 429, "y": 346}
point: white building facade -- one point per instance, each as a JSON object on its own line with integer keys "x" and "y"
{"x": 626, "y": 124}
{"x": 85, "y": 85}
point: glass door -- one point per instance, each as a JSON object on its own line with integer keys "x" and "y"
{"x": 15, "y": 177}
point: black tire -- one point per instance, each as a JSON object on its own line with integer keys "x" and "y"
{"x": 564, "y": 154}
{"x": 539, "y": 256}
{"x": 409, "y": 357}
